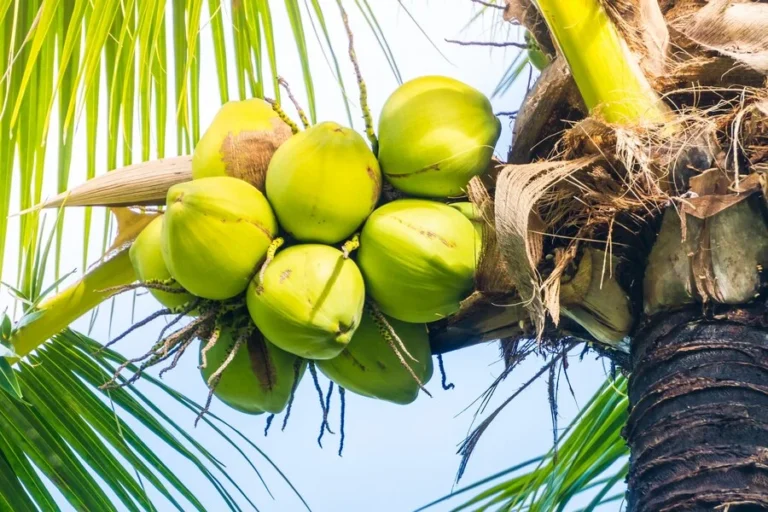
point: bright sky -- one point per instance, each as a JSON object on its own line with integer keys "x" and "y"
{"x": 396, "y": 458}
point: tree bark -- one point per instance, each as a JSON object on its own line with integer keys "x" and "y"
{"x": 698, "y": 423}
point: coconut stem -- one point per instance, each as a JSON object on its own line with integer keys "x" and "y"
{"x": 184, "y": 311}
{"x": 271, "y": 251}
{"x": 386, "y": 329}
{"x": 140, "y": 323}
{"x": 57, "y": 312}
{"x": 389, "y": 335}
{"x": 313, "y": 372}
{"x": 166, "y": 285}
{"x": 361, "y": 83}
{"x": 302, "y": 116}
{"x": 216, "y": 376}
{"x": 351, "y": 245}
{"x": 342, "y": 414}
{"x": 608, "y": 76}
{"x": 214, "y": 379}
{"x": 326, "y": 412}
{"x": 281, "y": 113}
{"x": 208, "y": 346}
{"x": 296, "y": 372}
{"x": 443, "y": 376}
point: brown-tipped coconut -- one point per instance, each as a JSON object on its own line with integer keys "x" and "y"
{"x": 240, "y": 142}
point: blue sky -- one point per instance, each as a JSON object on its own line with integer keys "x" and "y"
{"x": 396, "y": 457}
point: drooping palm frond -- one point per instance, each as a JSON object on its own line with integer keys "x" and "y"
{"x": 589, "y": 458}
{"x": 84, "y": 442}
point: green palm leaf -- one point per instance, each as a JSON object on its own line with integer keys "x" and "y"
{"x": 71, "y": 431}
{"x": 589, "y": 455}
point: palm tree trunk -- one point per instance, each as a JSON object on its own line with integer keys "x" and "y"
{"x": 698, "y": 426}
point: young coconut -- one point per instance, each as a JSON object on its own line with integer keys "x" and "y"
{"x": 418, "y": 258}
{"x": 308, "y": 300}
{"x": 435, "y": 134}
{"x": 216, "y": 231}
{"x": 323, "y": 183}
{"x": 260, "y": 377}
{"x": 147, "y": 260}
{"x": 369, "y": 366}
{"x": 240, "y": 142}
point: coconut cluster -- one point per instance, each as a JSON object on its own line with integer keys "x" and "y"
{"x": 284, "y": 241}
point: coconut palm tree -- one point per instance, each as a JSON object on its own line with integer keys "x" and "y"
{"x": 629, "y": 215}
{"x": 632, "y": 213}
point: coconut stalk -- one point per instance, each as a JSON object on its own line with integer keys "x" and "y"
{"x": 608, "y": 76}
{"x": 58, "y": 312}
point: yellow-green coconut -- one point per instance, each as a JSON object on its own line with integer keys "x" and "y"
{"x": 435, "y": 134}
{"x": 369, "y": 366}
{"x": 418, "y": 258}
{"x": 260, "y": 377}
{"x": 147, "y": 259}
{"x": 323, "y": 183}
{"x": 215, "y": 235}
{"x": 309, "y": 302}
{"x": 240, "y": 142}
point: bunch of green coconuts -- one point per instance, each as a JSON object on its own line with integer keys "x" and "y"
{"x": 319, "y": 191}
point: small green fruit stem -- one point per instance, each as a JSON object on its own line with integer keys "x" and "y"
{"x": 302, "y": 115}
{"x": 606, "y": 72}
{"x": 361, "y": 84}
{"x": 351, "y": 245}
{"x": 280, "y": 112}
{"x": 271, "y": 251}
{"x": 68, "y": 305}
{"x": 386, "y": 330}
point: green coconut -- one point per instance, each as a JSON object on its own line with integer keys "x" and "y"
{"x": 323, "y": 183}
{"x": 418, "y": 258}
{"x": 435, "y": 134}
{"x": 309, "y": 302}
{"x": 260, "y": 377}
{"x": 370, "y": 367}
{"x": 147, "y": 259}
{"x": 240, "y": 142}
{"x": 215, "y": 234}
{"x": 471, "y": 212}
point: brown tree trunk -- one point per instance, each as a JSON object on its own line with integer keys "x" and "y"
{"x": 698, "y": 425}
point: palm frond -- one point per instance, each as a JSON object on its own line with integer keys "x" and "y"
{"x": 56, "y": 57}
{"x": 82, "y": 439}
{"x": 589, "y": 457}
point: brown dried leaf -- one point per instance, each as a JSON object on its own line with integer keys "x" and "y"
{"x": 552, "y": 99}
{"x": 734, "y": 28}
{"x": 129, "y": 224}
{"x": 712, "y": 188}
{"x": 519, "y": 228}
